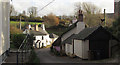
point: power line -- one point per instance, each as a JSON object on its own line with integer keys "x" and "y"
{"x": 46, "y": 5}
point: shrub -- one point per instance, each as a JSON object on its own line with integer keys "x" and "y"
{"x": 14, "y": 29}
{"x": 33, "y": 57}
{"x": 17, "y": 39}
{"x": 56, "y": 52}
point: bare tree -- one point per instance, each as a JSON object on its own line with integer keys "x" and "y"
{"x": 32, "y": 11}
{"x": 13, "y": 12}
{"x": 24, "y": 12}
{"x": 91, "y": 12}
{"x": 87, "y": 7}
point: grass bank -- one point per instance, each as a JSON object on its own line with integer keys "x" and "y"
{"x": 23, "y": 23}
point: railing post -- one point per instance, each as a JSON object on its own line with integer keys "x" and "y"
{"x": 17, "y": 57}
{"x": 22, "y": 56}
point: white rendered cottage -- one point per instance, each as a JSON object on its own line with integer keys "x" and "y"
{"x": 41, "y": 37}
{"x": 4, "y": 29}
{"x": 85, "y": 43}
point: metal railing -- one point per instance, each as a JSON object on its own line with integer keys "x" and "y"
{"x": 23, "y": 50}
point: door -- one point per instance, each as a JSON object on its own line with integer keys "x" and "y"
{"x": 42, "y": 45}
{"x": 100, "y": 48}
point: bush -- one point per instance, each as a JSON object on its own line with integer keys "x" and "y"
{"x": 17, "y": 39}
{"x": 33, "y": 57}
{"x": 56, "y": 52}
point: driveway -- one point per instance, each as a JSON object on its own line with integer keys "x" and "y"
{"x": 46, "y": 56}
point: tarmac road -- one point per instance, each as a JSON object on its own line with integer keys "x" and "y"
{"x": 46, "y": 56}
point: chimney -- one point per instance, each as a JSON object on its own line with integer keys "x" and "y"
{"x": 74, "y": 20}
{"x": 36, "y": 27}
{"x": 29, "y": 26}
{"x": 43, "y": 26}
{"x": 80, "y": 16}
{"x": 80, "y": 24}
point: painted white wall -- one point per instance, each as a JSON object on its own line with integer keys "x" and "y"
{"x": 43, "y": 26}
{"x": 78, "y": 50}
{"x": 69, "y": 49}
{"x": 80, "y": 27}
{"x": 46, "y": 40}
{"x": 4, "y": 27}
{"x": 81, "y": 48}
{"x": 85, "y": 49}
{"x": 0, "y": 32}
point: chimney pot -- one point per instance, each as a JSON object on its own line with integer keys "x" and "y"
{"x": 80, "y": 16}
{"x": 36, "y": 27}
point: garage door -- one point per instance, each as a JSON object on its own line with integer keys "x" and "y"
{"x": 100, "y": 48}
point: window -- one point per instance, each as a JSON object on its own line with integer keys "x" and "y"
{"x": 42, "y": 38}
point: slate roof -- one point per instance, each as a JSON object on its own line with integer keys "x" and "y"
{"x": 86, "y": 32}
{"x": 41, "y": 30}
{"x": 51, "y": 35}
{"x": 69, "y": 39}
{"x": 70, "y": 28}
{"x": 36, "y": 32}
{"x": 57, "y": 42}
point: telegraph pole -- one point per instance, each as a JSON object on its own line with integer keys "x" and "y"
{"x": 104, "y": 17}
{"x": 20, "y": 22}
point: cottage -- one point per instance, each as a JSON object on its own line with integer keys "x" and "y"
{"x": 75, "y": 28}
{"x": 96, "y": 40}
{"x": 53, "y": 36}
{"x": 41, "y": 36}
{"x": 85, "y": 43}
{"x": 4, "y": 29}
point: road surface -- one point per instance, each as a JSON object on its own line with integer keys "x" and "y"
{"x": 46, "y": 56}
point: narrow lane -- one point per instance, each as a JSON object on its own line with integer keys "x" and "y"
{"x": 46, "y": 56}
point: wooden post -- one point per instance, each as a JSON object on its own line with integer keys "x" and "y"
{"x": 20, "y": 22}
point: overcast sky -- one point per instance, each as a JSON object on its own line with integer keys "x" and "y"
{"x": 60, "y": 7}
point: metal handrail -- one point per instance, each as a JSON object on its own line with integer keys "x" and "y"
{"x": 22, "y": 48}
{"x": 23, "y": 42}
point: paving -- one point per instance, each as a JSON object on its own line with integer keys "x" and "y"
{"x": 12, "y": 58}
